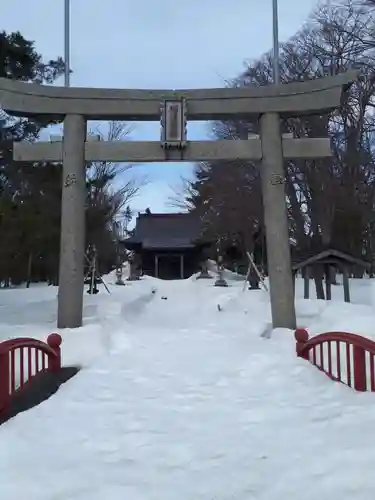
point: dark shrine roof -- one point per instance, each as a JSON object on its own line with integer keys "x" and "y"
{"x": 165, "y": 231}
{"x": 328, "y": 255}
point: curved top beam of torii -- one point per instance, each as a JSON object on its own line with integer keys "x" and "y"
{"x": 297, "y": 98}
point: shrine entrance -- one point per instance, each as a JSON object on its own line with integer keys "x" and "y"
{"x": 174, "y": 108}
{"x": 169, "y": 266}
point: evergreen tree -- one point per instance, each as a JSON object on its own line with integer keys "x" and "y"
{"x": 30, "y": 193}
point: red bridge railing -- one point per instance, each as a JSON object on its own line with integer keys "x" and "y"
{"x": 344, "y": 357}
{"x": 22, "y": 359}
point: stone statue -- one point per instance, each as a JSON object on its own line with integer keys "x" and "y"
{"x": 220, "y": 273}
{"x": 204, "y": 274}
{"x": 119, "y": 280}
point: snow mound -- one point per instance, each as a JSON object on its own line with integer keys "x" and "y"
{"x": 178, "y": 399}
{"x": 227, "y": 274}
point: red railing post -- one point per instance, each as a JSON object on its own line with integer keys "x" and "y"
{"x": 302, "y": 336}
{"x": 54, "y": 362}
{"x": 4, "y": 381}
{"x": 359, "y": 361}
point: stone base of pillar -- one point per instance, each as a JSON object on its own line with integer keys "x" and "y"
{"x": 221, "y": 282}
{"x": 254, "y": 287}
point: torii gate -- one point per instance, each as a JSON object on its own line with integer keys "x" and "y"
{"x": 75, "y": 106}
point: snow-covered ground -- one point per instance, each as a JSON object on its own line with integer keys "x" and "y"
{"x": 179, "y": 400}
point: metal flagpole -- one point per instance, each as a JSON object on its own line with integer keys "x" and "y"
{"x": 67, "y": 42}
{"x": 276, "y": 48}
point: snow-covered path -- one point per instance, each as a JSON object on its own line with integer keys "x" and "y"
{"x": 193, "y": 404}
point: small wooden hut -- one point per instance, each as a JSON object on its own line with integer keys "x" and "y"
{"x": 320, "y": 264}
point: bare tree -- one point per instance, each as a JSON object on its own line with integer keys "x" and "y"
{"x": 111, "y": 188}
{"x": 182, "y": 193}
{"x": 104, "y": 175}
{"x": 327, "y": 199}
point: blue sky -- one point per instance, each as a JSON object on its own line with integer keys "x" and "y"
{"x": 155, "y": 44}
